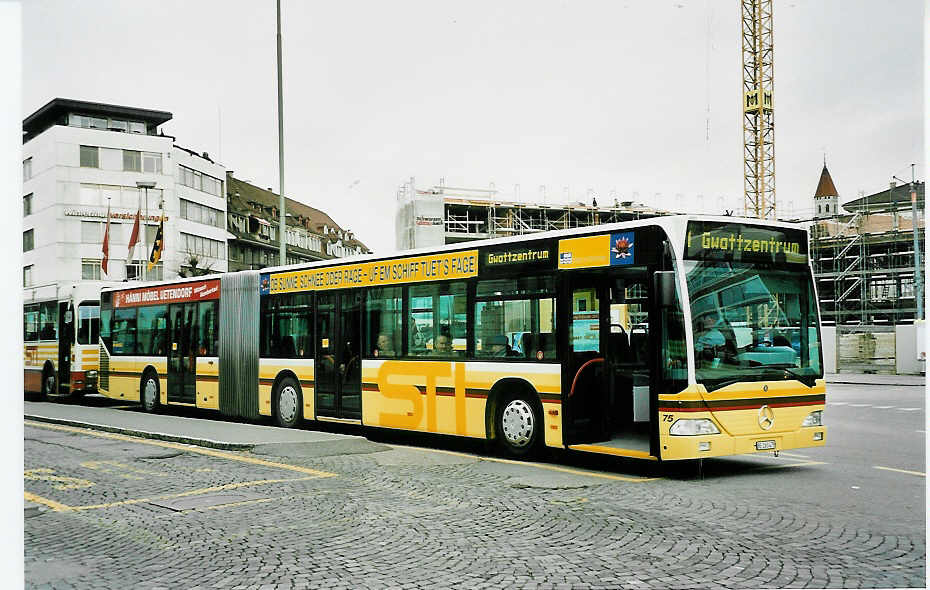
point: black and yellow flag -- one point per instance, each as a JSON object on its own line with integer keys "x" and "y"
{"x": 158, "y": 245}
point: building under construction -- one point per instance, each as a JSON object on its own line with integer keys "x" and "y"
{"x": 863, "y": 255}
{"x": 446, "y": 215}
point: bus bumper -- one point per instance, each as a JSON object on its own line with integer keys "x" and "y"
{"x": 717, "y": 445}
{"x": 83, "y": 380}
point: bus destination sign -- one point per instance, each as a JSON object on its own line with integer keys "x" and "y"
{"x": 512, "y": 258}
{"x": 735, "y": 242}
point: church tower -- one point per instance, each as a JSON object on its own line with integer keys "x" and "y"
{"x": 826, "y": 200}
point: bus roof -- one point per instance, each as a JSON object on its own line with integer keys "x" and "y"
{"x": 674, "y": 225}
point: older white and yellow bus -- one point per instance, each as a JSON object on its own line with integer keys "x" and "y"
{"x": 667, "y": 338}
{"x": 61, "y": 324}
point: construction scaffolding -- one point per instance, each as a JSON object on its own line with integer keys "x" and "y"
{"x": 444, "y": 215}
{"x": 864, "y": 260}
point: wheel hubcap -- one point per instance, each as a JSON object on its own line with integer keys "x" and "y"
{"x": 517, "y": 422}
{"x": 287, "y": 404}
{"x": 149, "y": 393}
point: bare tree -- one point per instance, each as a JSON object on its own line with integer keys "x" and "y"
{"x": 192, "y": 265}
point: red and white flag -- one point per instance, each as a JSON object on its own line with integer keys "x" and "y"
{"x": 106, "y": 244}
{"x": 134, "y": 237}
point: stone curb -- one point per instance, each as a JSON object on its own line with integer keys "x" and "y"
{"x": 187, "y": 440}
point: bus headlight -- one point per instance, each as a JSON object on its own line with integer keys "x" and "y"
{"x": 693, "y": 427}
{"x": 813, "y": 419}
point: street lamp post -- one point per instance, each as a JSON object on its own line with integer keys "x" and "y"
{"x": 145, "y": 185}
{"x": 281, "y": 203}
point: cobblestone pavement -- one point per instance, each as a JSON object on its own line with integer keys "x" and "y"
{"x": 124, "y": 513}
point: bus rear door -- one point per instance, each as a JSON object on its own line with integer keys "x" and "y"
{"x": 338, "y": 373}
{"x": 182, "y": 353}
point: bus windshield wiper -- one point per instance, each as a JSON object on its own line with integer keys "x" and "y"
{"x": 795, "y": 372}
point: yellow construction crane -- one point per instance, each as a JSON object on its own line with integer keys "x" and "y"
{"x": 758, "y": 110}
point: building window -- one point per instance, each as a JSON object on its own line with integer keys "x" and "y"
{"x": 28, "y": 240}
{"x": 200, "y": 181}
{"x": 201, "y": 213}
{"x": 27, "y": 169}
{"x": 132, "y": 161}
{"x": 27, "y": 276}
{"x": 27, "y": 205}
{"x": 92, "y": 232}
{"x": 90, "y": 269}
{"x": 90, "y": 156}
{"x": 75, "y": 120}
{"x": 151, "y": 162}
{"x": 137, "y": 269}
{"x": 201, "y": 246}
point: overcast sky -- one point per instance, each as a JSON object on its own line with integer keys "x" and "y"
{"x": 642, "y": 98}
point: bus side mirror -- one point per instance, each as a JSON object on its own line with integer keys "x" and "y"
{"x": 664, "y": 287}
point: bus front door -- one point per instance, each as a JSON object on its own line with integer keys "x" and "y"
{"x": 182, "y": 353}
{"x": 338, "y": 373}
{"x": 584, "y": 379}
{"x": 607, "y": 377}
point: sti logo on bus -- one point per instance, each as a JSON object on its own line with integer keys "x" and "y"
{"x": 621, "y": 248}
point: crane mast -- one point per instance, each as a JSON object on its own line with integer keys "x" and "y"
{"x": 758, "y": 110}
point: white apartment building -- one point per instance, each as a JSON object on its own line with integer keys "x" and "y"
{"x": 81, "y": 158}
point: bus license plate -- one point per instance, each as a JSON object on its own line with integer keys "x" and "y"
{"x": 765, "y": 445}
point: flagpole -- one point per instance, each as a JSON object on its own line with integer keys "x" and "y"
{"x": 145, "y": 185}
{"x": 145, "y": 232}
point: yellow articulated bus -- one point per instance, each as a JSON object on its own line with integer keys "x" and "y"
{"x": 61, "y": 325}
{"x": 667, "y": 338}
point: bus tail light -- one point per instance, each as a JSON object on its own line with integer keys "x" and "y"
{"x": 693, "y": 427}
{"x": 813, "y": 419}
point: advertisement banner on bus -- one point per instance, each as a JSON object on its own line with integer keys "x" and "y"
{"x": 182, "y": 293}
{"x": 616, "y": 249}
{"x": 436, "y": 267}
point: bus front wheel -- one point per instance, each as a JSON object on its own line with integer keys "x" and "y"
{"x": 150, "y": 392}
{"x": 287, "y": 403}
{"x": 517, "y": 425}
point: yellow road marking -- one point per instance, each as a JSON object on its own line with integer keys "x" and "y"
{"x": 539, "y": 466}
{"x": 230, "y": 505}
{"x": 56, "y": 506}
{"x": 181, "y": 447}
{"x": 67, "y": 483}
{"x": 917, "y": 473}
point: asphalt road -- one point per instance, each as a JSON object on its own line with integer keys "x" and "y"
{"x": 413, "y": 511}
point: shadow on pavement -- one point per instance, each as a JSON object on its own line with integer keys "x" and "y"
{"x": 688, "y": 470}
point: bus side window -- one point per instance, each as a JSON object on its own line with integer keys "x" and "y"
{"x": 515, "y": 318}
{"x": 384, "y": 322}
{"x": 48, "y": 321}
{"x": 31, "y": 323}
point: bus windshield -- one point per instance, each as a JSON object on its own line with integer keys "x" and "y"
{"x": 752, "y": 322}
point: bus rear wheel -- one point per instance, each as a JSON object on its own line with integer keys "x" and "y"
{"x": 517, "y": 425}
{"x": 149, "y": 392}
{"x": 287, "y": 403}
